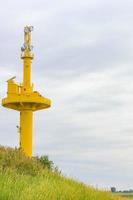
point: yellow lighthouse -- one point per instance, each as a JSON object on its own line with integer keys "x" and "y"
{"x": 23, "y": 98}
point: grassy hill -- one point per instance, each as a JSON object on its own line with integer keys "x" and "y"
{"x": 22, "y": 178}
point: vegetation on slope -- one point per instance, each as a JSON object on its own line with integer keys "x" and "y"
{"x": 22, "y": 178}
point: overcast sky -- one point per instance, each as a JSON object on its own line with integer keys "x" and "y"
{"x": 84, "y": 64}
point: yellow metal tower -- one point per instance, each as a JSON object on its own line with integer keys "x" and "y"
{"x": 22, "y": 98}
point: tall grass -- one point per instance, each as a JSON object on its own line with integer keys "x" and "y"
{"x": 22, "y": 178}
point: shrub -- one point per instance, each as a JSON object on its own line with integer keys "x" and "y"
{"x": 44, "y": 160}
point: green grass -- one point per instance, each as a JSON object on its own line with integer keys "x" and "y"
{"x": 22, "y": 178}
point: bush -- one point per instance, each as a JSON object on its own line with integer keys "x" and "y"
{"x": 44, "y": 160}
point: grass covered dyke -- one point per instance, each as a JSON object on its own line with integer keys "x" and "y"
{"x": 22, "y": 178}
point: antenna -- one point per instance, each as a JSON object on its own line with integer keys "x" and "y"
{"x": 27, "y": 47}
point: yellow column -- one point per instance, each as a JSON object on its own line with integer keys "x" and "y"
{"x": 27, "y": 75}
{"x": 26, "y": 118}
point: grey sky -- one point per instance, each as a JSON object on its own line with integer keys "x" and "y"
{"x": 84, "y": 63}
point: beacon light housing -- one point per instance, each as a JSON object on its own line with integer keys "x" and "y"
{"x": 28, "y": 29}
